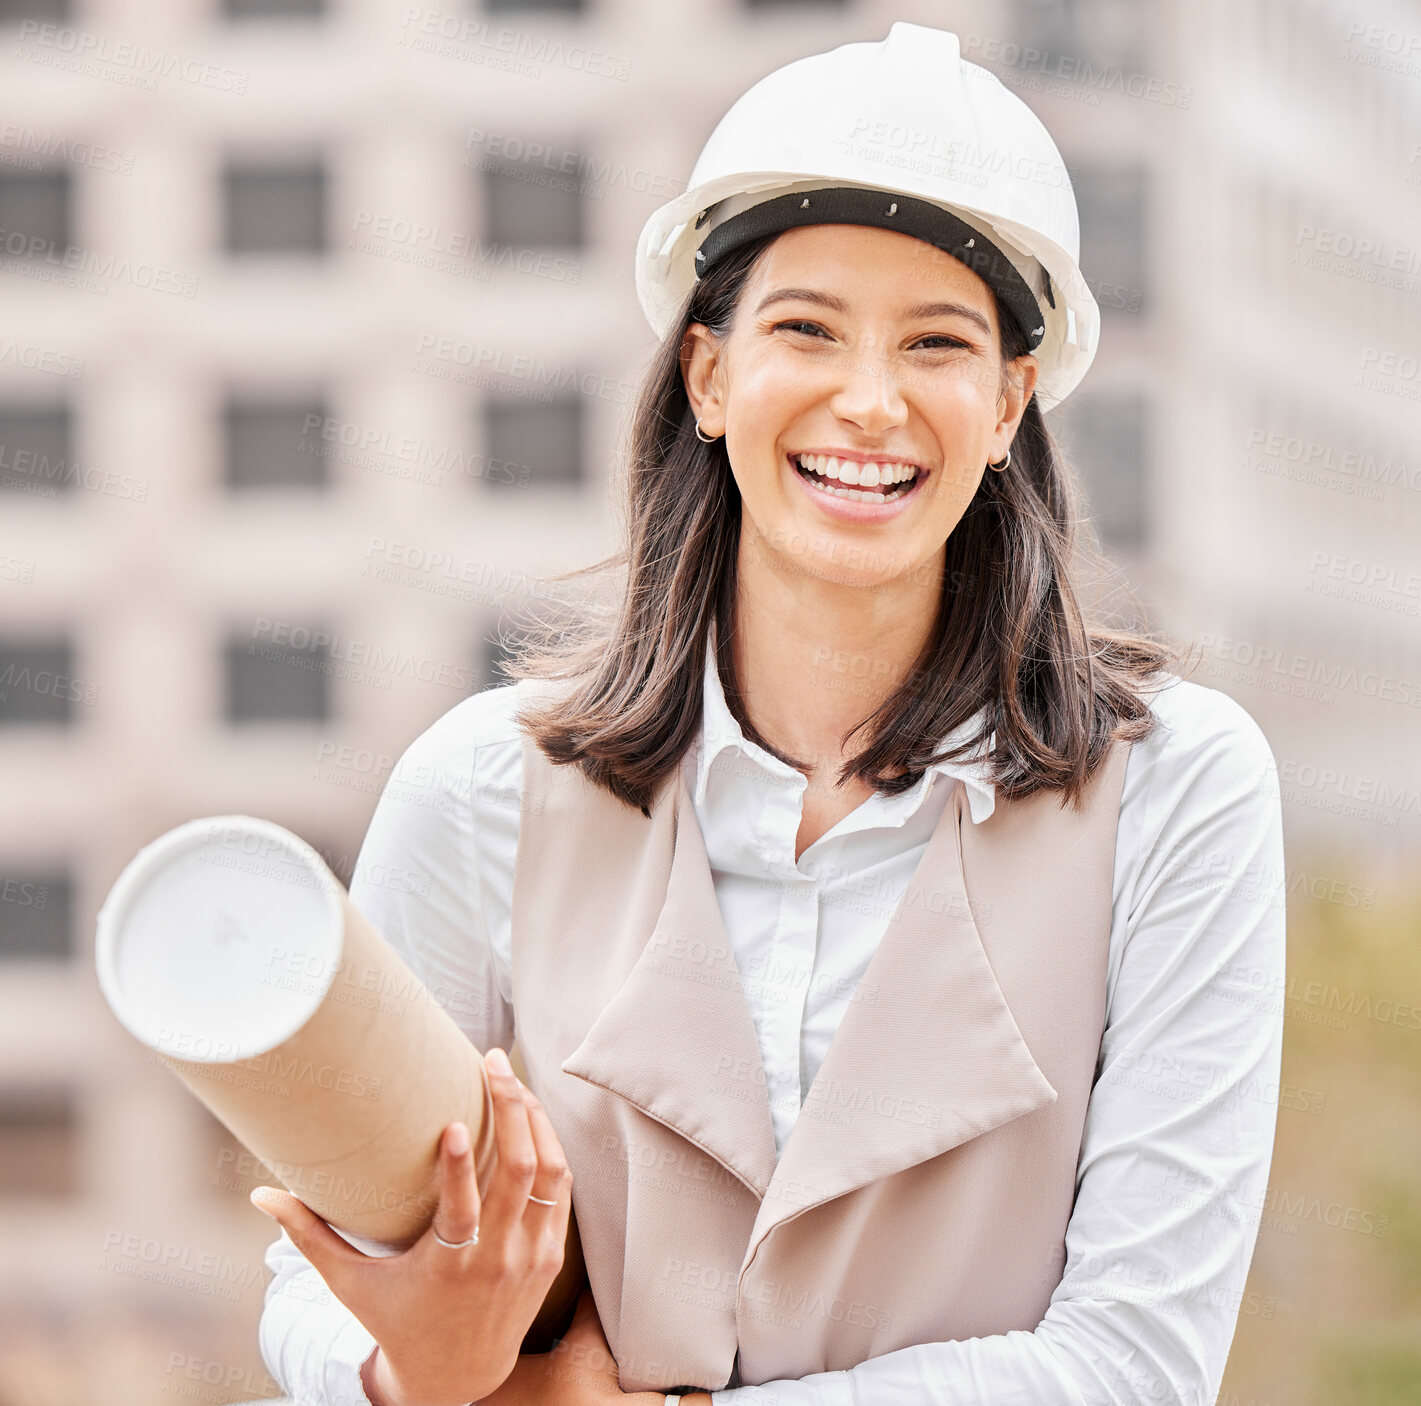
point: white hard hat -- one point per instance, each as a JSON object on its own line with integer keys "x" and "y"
{"x": 976, "y": 172}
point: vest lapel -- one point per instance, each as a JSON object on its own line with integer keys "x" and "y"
{"x": 926, "y": 1057}
{"x": 677, "y": 1039}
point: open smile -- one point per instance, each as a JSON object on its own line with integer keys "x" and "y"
{"x": 858, "y": 490}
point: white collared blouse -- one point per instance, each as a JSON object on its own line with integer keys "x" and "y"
{"x": 1179, "y": 1130}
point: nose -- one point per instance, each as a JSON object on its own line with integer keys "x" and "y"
{"x": 868, "y": 394}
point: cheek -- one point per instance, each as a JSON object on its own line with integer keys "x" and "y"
{"x": 959, "y": 489}
{"x": 769, "y": 398}
{"x": 962, "y": 409}
{"x": 775, "y": 380}
{"x": 969, "y": 390}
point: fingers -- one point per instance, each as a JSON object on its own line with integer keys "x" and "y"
{"x": 456, "y": 1218}
{"x": 517, "y": 1157}
{"x": 328, "y": 1252}
{"x": 554, "y": 1183}
{"x": 554, "y": 1179}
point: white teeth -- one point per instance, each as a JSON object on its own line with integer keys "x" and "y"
{"x": 850, "y": 471}
{"x": 835, "y": 471}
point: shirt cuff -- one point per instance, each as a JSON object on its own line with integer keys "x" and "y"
{"x": 818, "y": 1389}
{"x": 344, "y": 1358}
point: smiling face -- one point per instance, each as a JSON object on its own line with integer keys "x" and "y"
{"x": 861, "y": 392}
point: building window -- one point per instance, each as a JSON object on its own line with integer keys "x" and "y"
{"x": 1113, "y": 201}
{"x": 35, "y": 214}
{"x": 37, "y": 683}
{"x": 39, "y": 1142}
{"x": 278, "y": 676}
{"x": 534, "y": 446}
{"x": 272, "y": 9}
{"x": 272, "y": 444}
{"x": 36, "y": 914}
{"x": 275, "y": 209}
{"x": 1106, "y": 34}
{"x": 46, "y": 11}
{"x": 1107, "y": 439}
{"x": 524, "y": 209}
{"x": 35, "y": 445}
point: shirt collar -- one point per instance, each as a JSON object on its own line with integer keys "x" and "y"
{"x": 720, "y": 731}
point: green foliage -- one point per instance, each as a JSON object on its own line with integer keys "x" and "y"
{"x": 1373, "y": 1372}
{"x": 1400, "y": 1200}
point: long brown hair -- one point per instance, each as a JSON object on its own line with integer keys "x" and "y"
{"x": 1009, "y": 633}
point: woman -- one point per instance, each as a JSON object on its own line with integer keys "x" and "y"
{"x": 884, "y": 941}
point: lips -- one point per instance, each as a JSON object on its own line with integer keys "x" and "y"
{"x": 856, "y": 504}
{"x": 862, "y": 474}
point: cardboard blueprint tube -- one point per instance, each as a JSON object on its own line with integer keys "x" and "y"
{"x": 229, "y": 948}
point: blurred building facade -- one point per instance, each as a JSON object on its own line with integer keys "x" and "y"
{"x": 319, "y": 334}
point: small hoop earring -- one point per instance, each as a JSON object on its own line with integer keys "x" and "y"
{"x": 704, "y": 439}
{"x": 1003, "y": 466}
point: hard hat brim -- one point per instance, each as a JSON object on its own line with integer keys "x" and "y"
{"x": 666, "y": 270}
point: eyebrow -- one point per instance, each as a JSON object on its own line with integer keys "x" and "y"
{"x": 828, "y": 300}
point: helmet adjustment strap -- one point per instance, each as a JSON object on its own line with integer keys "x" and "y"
{"x": 857, "y": 205}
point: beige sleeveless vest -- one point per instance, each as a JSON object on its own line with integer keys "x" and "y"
{"x": 924, "y": 1191}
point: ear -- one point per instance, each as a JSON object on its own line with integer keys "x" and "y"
{"x": 1018, "y": 384}
{"x": 702, "y": 358}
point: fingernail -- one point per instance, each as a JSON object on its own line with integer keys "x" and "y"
{"x": 264, "y": 1198}
{"x": 500, "y": 1063}
{"x": 459, "y": 1140}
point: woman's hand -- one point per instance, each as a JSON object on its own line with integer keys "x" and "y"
{"x": 579, "y": 1371}
{"x": 449, "y": 1323}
